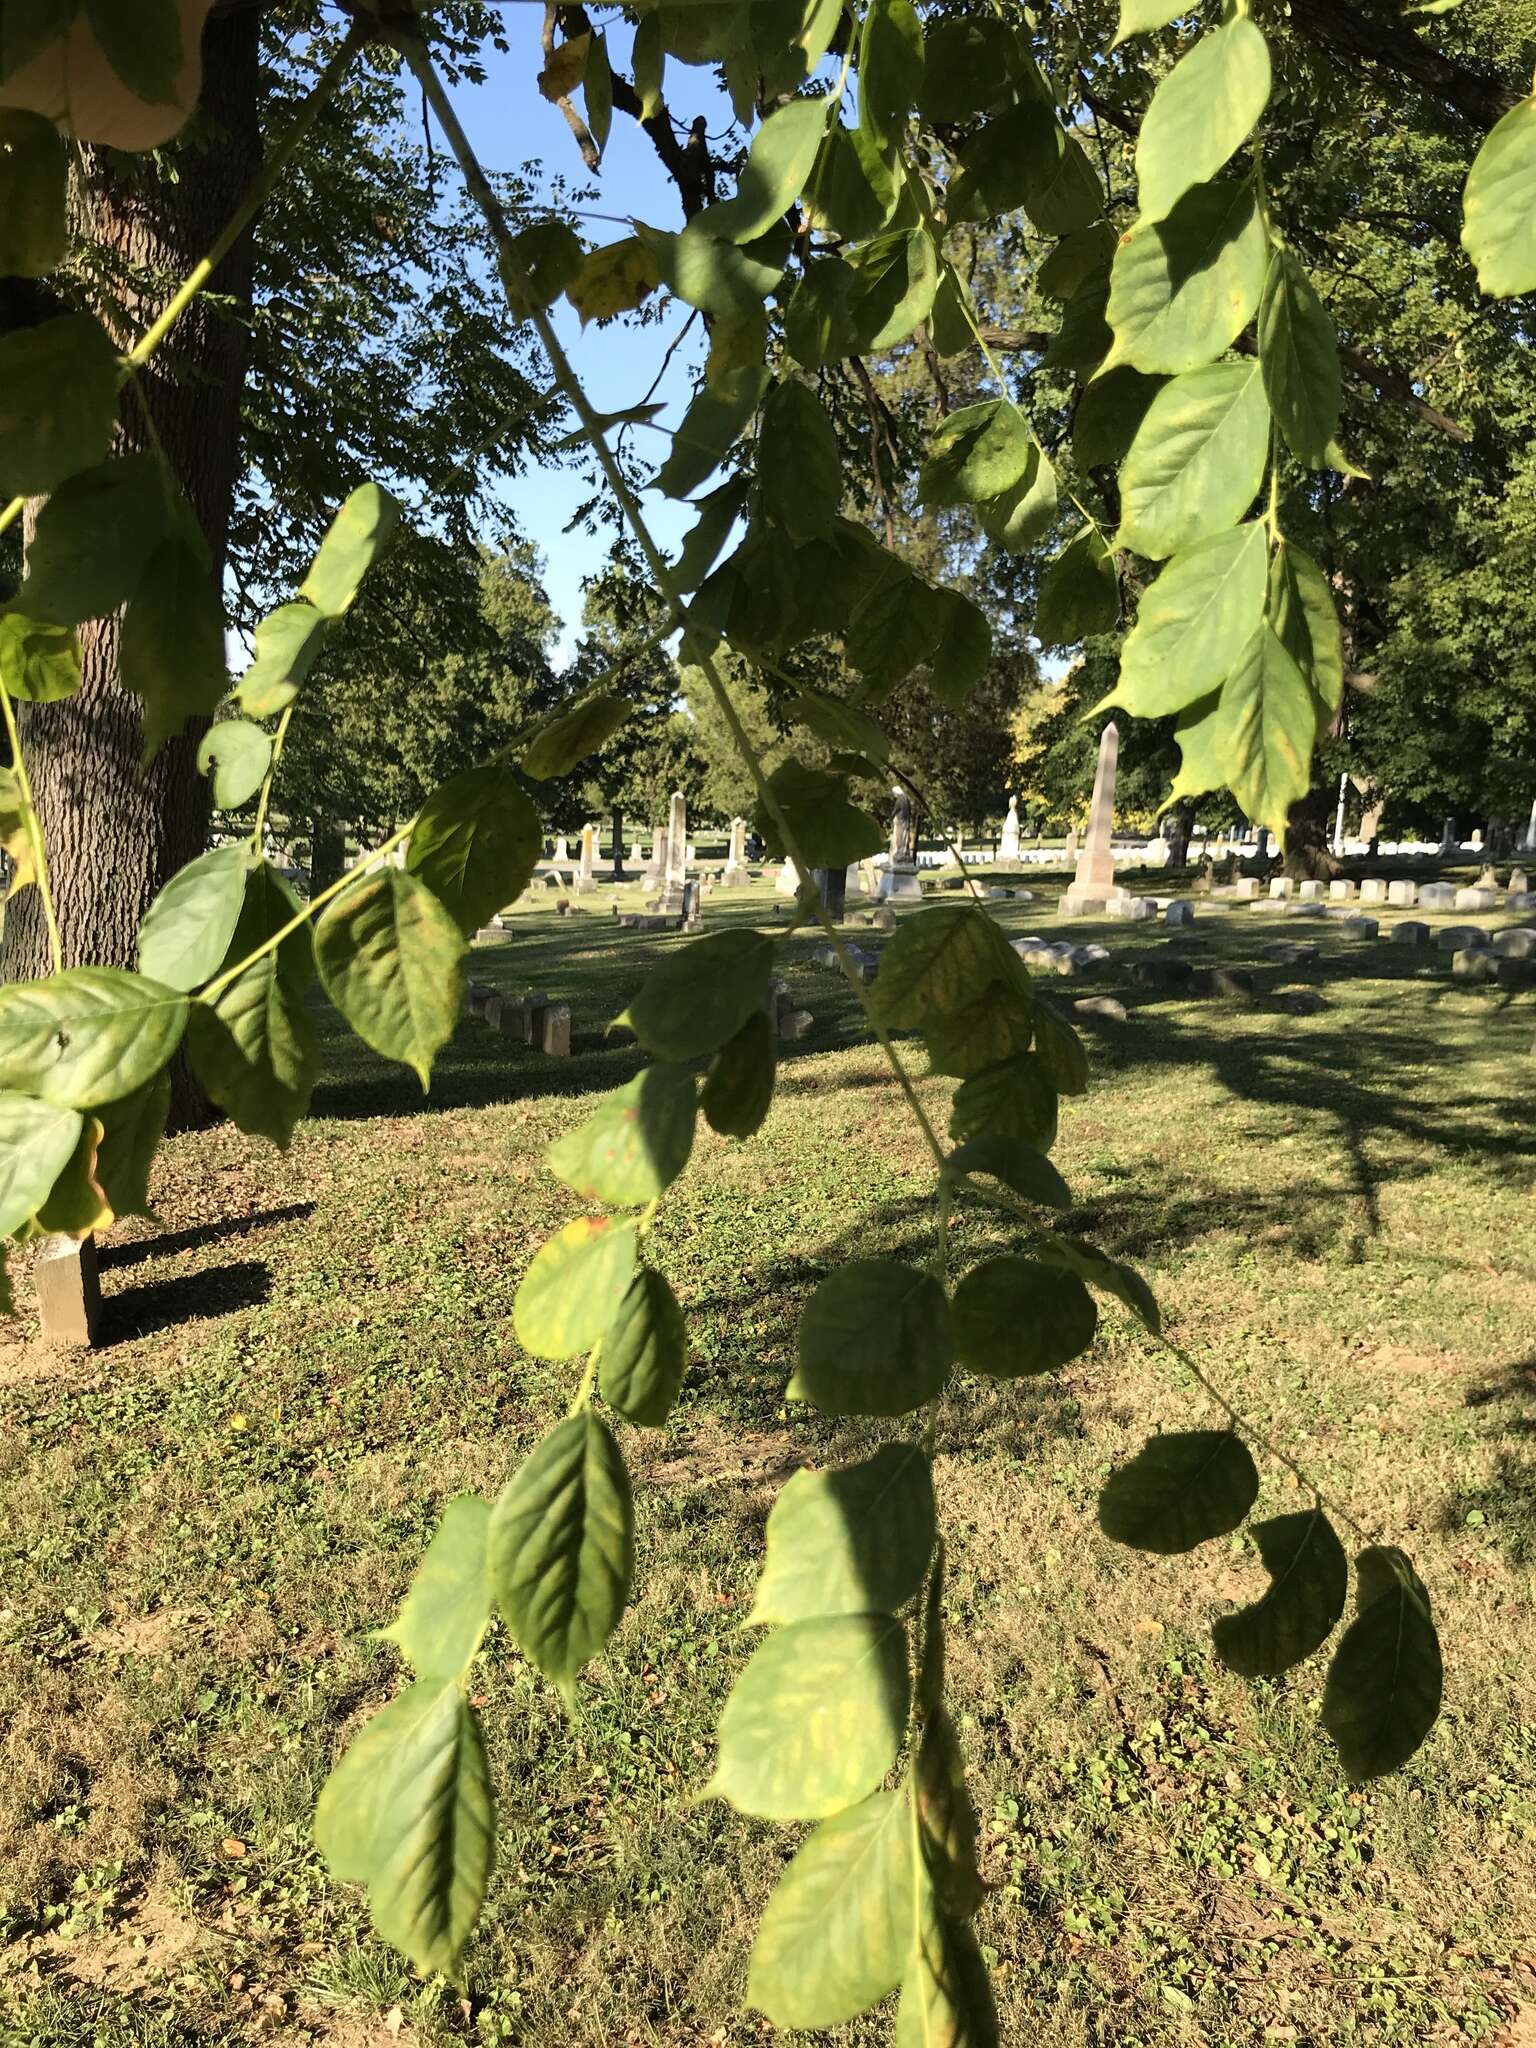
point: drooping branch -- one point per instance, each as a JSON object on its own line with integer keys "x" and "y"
{"x": 687, "y": 162}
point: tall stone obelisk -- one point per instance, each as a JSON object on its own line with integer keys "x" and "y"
{"x": 1093, "y": 884}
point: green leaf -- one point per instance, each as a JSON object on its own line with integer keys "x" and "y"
{"x": 475, "y": 843}
{"x": 875, "y": 1339}
{"x": 1500, "y": 203}
{"x": 58, "y": 402}
{"x": 894, "y": 628}
{"x": 738, "y": 1088}
{"x": 1384, "y": 1684}
{"x": 718, "y": 513}
{"x": 1014, "y": 1317}
{"x": 890, "y": 68}
{"x": 820, "y": 322}
{"x": 392, "y": 961}
{"x": 645, "y": 1352}
{"x": 1258, "y": 739}
{"x": 562, "y": 1545}
{"x": 172, "y": 654}
{"x": 37, "y": 1142}
{"x": 408, "y": 1812}
{"x": 1078, "y": 259}
{"x": 131, "y": 1130}
{"x": 613, "y": 279}
{"x": 946, "y": 1998}
{"x": 840, "y": 725}
{"x": 1137, "y": 17}
{"x": 815, "y": 1720}
{"x": 716, "y": 276}
{"x": 448, "y": 1605}
{"x": 946, "y": 1816}
{"x": 1016, "y": 1164}
{"x": 550, "y": 258}
{"x": 1079, "y": 593}
{"x": 87, "y": 1036}
{"x": 829, "y": 831}
{"x": 1303, "y": 613}
{"x": 648, "y": 61}
{"x": 1299, "y": 353}
{"x": 573, "y": 1286}
{"x": 896, "y": 277}
{"x": 1025, "y": 158}
{"x": 774, "y": 175}
{"x": 255, "y": 1048}
{"x": 1084, "y": 338}
{"x": 582, "y": 731}
{"x": 799, "y": 466}
{"x": 1101, "y": 1271}
{"x": 995, "y": 1028}
{"x": 966, "y": 66}
{"x": 1184, "y": 288}
{"x": 979, "y": 452}
{"x": 597, "y": 89}
{"x": 1309, "y": 1577}
{"x": 358, "y": 535}
{"x": 853, "y": 188}
{"x": 634, "y": 1144}
{"x": 696, "y": 998}
{"x": 964, "y": 651}
{"x": 38, "y": 663}
{"x": 949, "y": 325}
{"x": 1060, "y": 1051}
{"x": 1179, "y": 1490}
{"x": 288, "y": 644}
{"x": 1197, "y": 461}
{"x": 939, "y": 960}
{"x": 187, "y": 929}
{"x": 711, "y": 424}
{"x": 852, "y": 1540}
{"x": 1013, "y": 1099}
{"x": 1202, "y": 111}
{"x": 145, "y": 50}
{"x": 93, "y": 541}
{"x": 237, "y": 755}
{"x": 1194, "y": 623}
{"x": 34, "y": 176}
{"x": 835, "y": 1936}
{"x": 1108, "y": 415}
{"x": 1018, "y": 517}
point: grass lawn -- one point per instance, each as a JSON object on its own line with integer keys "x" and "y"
{"x": 201, "y": 1521}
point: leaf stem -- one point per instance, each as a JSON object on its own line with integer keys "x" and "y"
{"x": 265, "y": 798}
{"x": 515, "y": 284}
{"x": 583, "y": 1395}
{"x": 320, "y": 95}
{"x": 34, "y": 829}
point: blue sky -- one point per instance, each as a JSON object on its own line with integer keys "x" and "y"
{"x": 512, "y": 127}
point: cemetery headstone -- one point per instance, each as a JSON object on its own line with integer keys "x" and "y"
{"x": 1008, "y": 845}
{"x": 1474, "y": 963}
{"x": 1373, "y": 890}
{"x": 1437, "y": 896}
{"x": 1093, "y": 880}
{"x": 1179, "y": 913}
{"x": 554, "y": 1030}
{"x": 1403, "y": 894}
{"x": 898, "y": 879}
{"x": 1281, "y": 888}
{"x": 1341, "y": 891}
{"x": 1410, "y": 932}
{"x": 1517, "y": 943}
{"x": 1456, "y": 937}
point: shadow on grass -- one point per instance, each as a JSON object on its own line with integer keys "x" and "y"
{"x": 192, "y": 1297}
{"x": 113, "y": 1257}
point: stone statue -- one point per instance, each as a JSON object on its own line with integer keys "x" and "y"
{"x": 903, "y": 832}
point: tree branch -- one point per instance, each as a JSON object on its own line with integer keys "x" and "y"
{"x": 1478, "y": 96}
{"x": 687, "y": 163}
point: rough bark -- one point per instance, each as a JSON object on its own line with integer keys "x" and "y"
{"x": 116, "y": 831}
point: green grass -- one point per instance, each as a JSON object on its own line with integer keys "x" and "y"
{"x": 203, "y": 1520}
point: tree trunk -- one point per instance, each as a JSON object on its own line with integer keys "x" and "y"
{"x": 618, "y": 842}
{"x": 1183, "y": 817}
{"x": 327, "y": 854}
{"x": 114, "y": 831}
{"x": 1308, "y": 854}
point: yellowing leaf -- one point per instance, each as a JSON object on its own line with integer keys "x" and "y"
{"x": 565, "y": 68}
{"x": 613, "y": 279}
